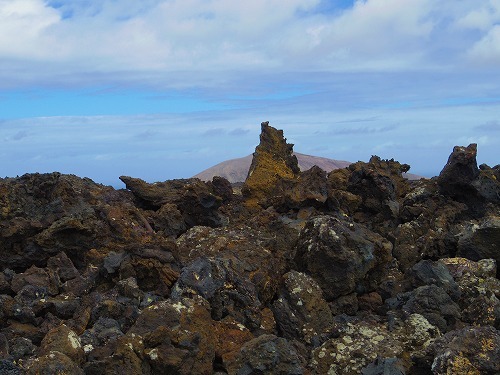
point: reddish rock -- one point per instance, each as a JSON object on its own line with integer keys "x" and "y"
{"x": 63, "y": 340}
{"x": 53, "y": 363}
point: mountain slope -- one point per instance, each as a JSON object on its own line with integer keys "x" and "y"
{"x": 236, "y": 170}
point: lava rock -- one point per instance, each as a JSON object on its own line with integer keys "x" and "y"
{"x": 359, "y": 344}
{"x": 435, "y": 305}
{"x": 63, "y": 340}
{"x": 266, "y": 354}
{"x": 471, "y": 350}
{"x": 194, "y": 198}
{"x": 481, "y": 240}
{"x": 459, "y": 172}
{"x": 301, "y": 311}
{"x": 273, "y": 161}
{"x": 342, "y": 256}
{"x": 227, "y": 291}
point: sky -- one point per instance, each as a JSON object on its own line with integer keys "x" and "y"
{"x": 163, "y": 89}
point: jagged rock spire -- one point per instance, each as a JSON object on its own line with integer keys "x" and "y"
{"x": 272, "y": 161}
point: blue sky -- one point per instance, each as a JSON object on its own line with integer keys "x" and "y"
{"x": 163, "y": 89}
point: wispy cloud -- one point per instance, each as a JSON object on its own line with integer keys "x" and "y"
{"x": 196, "y": 42}
{"x": 490, "y": 126}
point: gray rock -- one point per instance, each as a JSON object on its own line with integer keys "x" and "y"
{"x": 266, "y": 354}
{"x": 435, "y": 305}
{"x": 343, "y": 257}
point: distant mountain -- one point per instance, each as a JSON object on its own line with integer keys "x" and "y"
{"x": 236, "y": 170}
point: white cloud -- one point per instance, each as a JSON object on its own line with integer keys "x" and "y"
{"x": 210, "y": 42}
{"x": 487, "y": 50}
{"x": 23, "y": 24}
{"x": 482, "y": 17}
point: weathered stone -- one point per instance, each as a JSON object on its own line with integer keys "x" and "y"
{"x": 385, "y": 366}
{"x": 226, "y": 289}
{"x": 9, "y": 368}
{"x": 178, "y": 336}
{"x": 231, "y": 336}
{"x": 194, "y": 198}
{"x": 435, "y": 305}
{"x": 427, "y": 272}
{"x": 308, "y": 190}
{"x": 273, "y": 161}
{"x": 380, "y": 184}
{"x": 342, "y": 256}
{"x": 479, "y": 289}
{"x": 471, "y": 350}
{"x": 169, "y": 220}
{"x": 63, "y": 267}
{"x": 53, "y": 363}
{"x": 65, "y": 341}
{"x": 151, "y": 275}
{"x": 266, "y": 354}
{"x": 481, "y": 240}
{"x": 300, "y": 310}
{"x": 359, "y": 345}
{"x": 37, "y": 277}
{"x": 261, "y": 254}
{"x": 459, "y": 172}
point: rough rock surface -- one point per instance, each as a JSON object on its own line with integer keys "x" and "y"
{"x": 357, "y": 271}
{"x": 272, "y": 162}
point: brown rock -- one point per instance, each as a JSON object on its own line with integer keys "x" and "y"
{"x": 359, "y": 345}
{"x": 37, "y": 277}
{"x": 178, "y": 336}
{"x": 301, "y": 311}
{"x": 53, "y": 363}
{"x": 63, "y": 340}
{"x": 194, "y": 198}
{"x": 266, "y": 354}
{"x": 469, "y": 350}
{"x": 272, "y": 161}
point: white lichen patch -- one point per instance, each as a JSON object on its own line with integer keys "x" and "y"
{"x": 88, "y": 348}
{"x": 153, "y": 354}
{"x": 178, "y": 306}
{"x": 74, "y": 340}
{"x": 296, "y": 290}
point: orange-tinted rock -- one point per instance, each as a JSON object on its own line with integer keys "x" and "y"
{"x": 63, "y": 340}
{"x": 273, "y": 160}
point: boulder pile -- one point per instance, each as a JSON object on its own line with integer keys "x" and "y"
{"x": 358, "y": 271}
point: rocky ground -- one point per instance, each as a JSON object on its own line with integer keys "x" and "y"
{"x": 358, "y": 271}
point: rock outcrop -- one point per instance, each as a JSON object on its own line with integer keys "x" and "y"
{"x": 272, "y": 163}
{"x": 355, "y": 271}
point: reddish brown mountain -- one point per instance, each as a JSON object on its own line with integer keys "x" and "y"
{"x": 236, "y": 170}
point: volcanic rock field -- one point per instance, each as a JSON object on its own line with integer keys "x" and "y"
{"x": 355, "y": 271}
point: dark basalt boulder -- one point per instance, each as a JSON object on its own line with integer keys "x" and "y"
{"x": 459, "y": 172}
{"x": 301, "y": 311}
{"x": 481, "y": 239}
{"x": 195, "y": 199}
{"x": 228, "y": 291}
{"x": 343, "y": 257}
{"x": 380, "y": 184}
{"x": 266, "y": 354}
{"x": 435, "y": 305}
{"x": 470, "y": 350}
{"x": 308, "y": 190}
